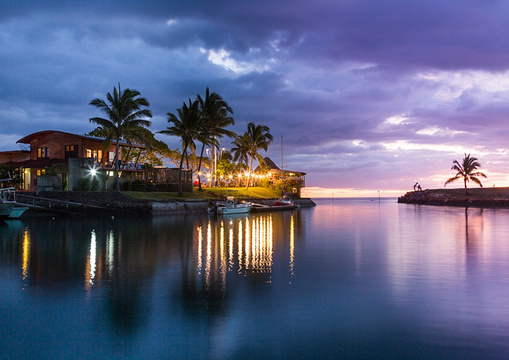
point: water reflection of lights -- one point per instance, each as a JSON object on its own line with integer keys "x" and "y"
{"x": 110, "y": 251}
{"x": 91, "y": 263}
{"x": 292, "y": 245}
{"x": 244, "y": 245}
{"x": 26, "y": 254}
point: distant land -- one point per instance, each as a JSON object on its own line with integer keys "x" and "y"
{"x": 476, "y": 197}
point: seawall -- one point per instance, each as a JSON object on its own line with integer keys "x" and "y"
{"x": 457, "y": 197}
{"x": 76, "y": 202}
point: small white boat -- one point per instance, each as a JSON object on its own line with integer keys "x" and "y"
{"x": 8, "y": 206}
{"x": 230, "y": 207}
{"x": 284, "y": 201}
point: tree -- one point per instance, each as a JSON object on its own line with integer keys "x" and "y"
{"x": 215, "y": 112}
{"x": 124, "y": 117}
{"x": 186, "y": 126}
{"x": 257, "y": 137}
{"x": 240, "y": 151}
{"x": 467, "y": 170}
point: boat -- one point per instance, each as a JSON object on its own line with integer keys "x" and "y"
{"x": 9, "y": 209}
{"x": 17, "y": 211}
{"x": 5, "y": 210}
{"x": 229, "y": 207}
{"x": 284, "y": 201}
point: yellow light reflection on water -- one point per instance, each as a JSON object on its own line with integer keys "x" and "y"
{"x": 110, "y": 251}
{"x": 199, "y": 262}
{"x": 91, "y": 262}
{"x": 26, "y": 254}
{"x": 292, "y": 245}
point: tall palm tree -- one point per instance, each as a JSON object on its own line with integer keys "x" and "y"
{"x": 467, "y": 170}
{"x": 240, "y": 150}
{"x": 257, "y": 137}
{"x": 215, "y": 120}
{"x": 124, "y": 117}
{"x": 187, "y": 126}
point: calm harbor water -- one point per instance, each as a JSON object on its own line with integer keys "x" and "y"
{"x": 352, "y": 279}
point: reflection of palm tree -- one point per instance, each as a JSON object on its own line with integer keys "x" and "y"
{"x": 467, "y": 171}
{"x": 186, "y": 126}
{"x": 125, "y": 116}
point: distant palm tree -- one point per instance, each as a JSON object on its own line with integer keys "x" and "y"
{"x": 257, "y": 137}
{"x": 215, "y": 112}
{"x": 125, "y": 117}
{"x": 187, "y": 126}
{"x": 467, "y": 170}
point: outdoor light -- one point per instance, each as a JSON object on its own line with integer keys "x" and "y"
{"x": 93, "y": 172}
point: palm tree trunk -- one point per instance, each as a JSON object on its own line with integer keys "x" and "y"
{"x": 117, "y": 185}
{"x": 199, "y": 167}
{"x": 465, "y": 182}
{"x": 249, "y": 172}
{"x": 181, "y": 193}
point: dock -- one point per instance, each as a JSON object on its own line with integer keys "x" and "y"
{"x": 258, "y": 208}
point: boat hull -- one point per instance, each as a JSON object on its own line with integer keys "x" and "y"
{"x": 5, "y": 210}
{"x": 17, "y": 211}
{"x": 234, "y": 210}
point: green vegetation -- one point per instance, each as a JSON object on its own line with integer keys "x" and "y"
{"x": 124, "y": 118}
{"x": 204, "y": 120}
{"x": 187, "y": 126}
{"x": 214, "y": 193}
{"x": 255, "y": 192}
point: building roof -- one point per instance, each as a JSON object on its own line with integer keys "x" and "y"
{"x": 272, "y": 166}
{"x": 27, "y": 139}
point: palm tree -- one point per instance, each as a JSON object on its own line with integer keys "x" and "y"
{"x": 187, "y": 126}
{"x": 466, "y": 170}
{"x": 124, "y": 117}
{"x": 257, "y": 137}
{"x": 240, "y": 150}
{"x": 215, "y": 120}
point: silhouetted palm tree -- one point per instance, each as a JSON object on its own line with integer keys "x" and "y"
{"x": 467, "y": 170}
{"x": 187, "y": 126}
{"x": 124, "y": 118}
{"x": 215, "y": 112}
{"x": 240, "y": 150}
{"x": 257, "y": 137}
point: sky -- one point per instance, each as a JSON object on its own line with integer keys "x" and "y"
{"x": 369, "y": 96}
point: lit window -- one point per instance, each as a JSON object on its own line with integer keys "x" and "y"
{"x": 42, "y": 152}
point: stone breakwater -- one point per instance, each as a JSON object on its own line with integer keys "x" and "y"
{"x": 459, "y": 198}
{"x": 106, "y": 202}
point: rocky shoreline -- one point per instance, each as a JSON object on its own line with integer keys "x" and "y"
{"x": 491, "y": 197}
{"x": 75, "y": 202}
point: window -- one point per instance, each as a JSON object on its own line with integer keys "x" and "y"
{"x": 94, "y": 154}
{"x": 40, "y": 172}
{"x": 71, "y": 151}
{"x": 42, "y": 152}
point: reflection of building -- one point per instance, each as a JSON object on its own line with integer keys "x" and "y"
{"x": 72, "y": 158}
{"x": 293, "y": 181}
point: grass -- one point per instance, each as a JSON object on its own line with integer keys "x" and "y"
{"x": 209, "y": 193}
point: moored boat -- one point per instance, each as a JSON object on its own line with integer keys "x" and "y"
{"x": 17, "y": 211}
{"x": 284, "y": 201}
{"x": 230, "y": 206}
{"x": 5, "y": 210}
{"x": 9, "y": 209}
